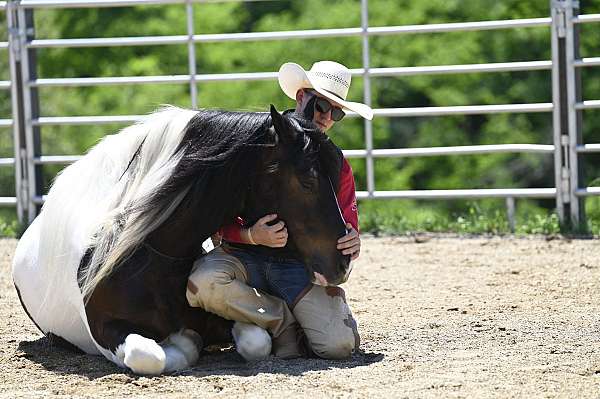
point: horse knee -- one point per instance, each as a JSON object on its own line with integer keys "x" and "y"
{"x": 142, "y": 355}
{"x": 252, "y": 342}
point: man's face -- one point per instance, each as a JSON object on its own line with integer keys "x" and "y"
{"x": 321, "y": 119}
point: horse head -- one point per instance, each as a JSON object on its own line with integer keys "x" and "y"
{"x": 298, "y": 181}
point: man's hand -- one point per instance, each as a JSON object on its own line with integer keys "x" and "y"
{"x": 271, "y": 236}
{"x": 350, "y": 243}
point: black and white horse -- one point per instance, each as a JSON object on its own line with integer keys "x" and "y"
{"x": 104, "y": 266}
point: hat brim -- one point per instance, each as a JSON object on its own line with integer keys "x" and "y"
{"x": 292, "y": 77}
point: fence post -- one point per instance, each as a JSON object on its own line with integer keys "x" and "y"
{"x": 30, "y": 111}
{"x": 189, "y": 9}
{"x": 510, "y": 213}
{"x": 578, "y": 222}
{"x": 566, "y": 92}
{"x": 14, "y": 59}
{"x": 370, "y": 172}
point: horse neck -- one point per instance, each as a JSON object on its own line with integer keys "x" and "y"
{"x": 212, "y": 202}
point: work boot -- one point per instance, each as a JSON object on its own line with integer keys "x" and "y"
{"x": 286, "y": 344}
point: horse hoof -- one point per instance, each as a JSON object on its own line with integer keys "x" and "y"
{"x": 251, "y": 341}
{"x": 143, "y": 355}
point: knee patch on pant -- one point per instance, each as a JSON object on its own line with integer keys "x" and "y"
{"x": 210, "y": 275}
{"x": 327, "y": 322}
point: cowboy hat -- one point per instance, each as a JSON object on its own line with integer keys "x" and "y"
{"x": 328, "y": 78}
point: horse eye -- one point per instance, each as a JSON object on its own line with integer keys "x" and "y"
{"x": 306, "y": 184}
{"x": 309, "y": 183}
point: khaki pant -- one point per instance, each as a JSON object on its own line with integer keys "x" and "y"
{"x": 218, "y": 284}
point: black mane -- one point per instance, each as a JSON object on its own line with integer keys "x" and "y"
{"x": 217, "y": 142}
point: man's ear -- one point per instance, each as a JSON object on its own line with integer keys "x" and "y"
{"x": 299, "y": 96}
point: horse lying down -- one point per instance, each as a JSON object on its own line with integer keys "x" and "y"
{"x": 104, "y": 266}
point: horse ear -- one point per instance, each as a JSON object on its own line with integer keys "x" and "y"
{"x": 279, "y": 124}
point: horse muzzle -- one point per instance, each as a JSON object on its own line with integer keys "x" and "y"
{"x": 341, "y": 276}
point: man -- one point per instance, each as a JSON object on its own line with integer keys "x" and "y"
{"x": 226, "y": 280}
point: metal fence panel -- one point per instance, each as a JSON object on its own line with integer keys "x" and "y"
{"x": 566, "y": 106}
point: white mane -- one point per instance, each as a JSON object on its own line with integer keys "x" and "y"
{"x": 88, "y": 201}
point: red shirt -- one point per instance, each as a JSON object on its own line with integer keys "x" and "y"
{"x": 346, "y": 196}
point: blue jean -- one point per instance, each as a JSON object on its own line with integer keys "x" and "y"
{"x": 282, "y": 277}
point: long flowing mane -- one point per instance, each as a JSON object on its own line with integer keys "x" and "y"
{"x": 165, "y": 168}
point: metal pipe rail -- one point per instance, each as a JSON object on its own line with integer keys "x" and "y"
{"x": 588, "y": 148}
{"x": 434, "y": 194}
{"x": 8, "y": 201}
{"x": 115, "y": 3}
{"x": 589, "y": 104}
{"x": 286, "y": 35}
{"x": 461, "y": 194}
{"x": 463, "y": 110}
{"x": 587, "y": 62}
{"x": 388, "y": 112}
{"x": 56, "y": 159}
{"x": 254, "y": 76}
{"x": 455, "y": 150}
{"x": 85, "y": 120}
{"x": 587, "y": 192}
{"x": 378, "y": 153}
{"x": 7, "y": 161}
{"x": 6, "y": 123}
{"x": 170, "y": 79}
{"x": 584, "y": 19}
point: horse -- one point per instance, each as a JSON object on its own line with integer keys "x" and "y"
{"x": 104, "y": 266}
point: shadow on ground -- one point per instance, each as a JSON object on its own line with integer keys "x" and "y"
{"x": 227, "y": 362}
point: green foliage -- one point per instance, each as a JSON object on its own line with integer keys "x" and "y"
{"x": 484, "y": 217}
{"x": 9, "y": 225}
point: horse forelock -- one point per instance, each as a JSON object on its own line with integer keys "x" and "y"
{"x": 314, "y": 149}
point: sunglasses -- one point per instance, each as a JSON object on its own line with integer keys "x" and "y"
{"x": 323, "y": 106}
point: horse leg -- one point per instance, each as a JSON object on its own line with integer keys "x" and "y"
{"x": 144, "y": 355}
{"x": 129, "y": 348}
{"x": 182, "y": 350}
{"x": 251, "y": 341}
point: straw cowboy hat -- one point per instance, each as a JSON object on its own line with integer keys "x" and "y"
{"x": 328, "y": 78}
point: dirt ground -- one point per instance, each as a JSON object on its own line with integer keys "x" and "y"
{"x": 439, "y": 317}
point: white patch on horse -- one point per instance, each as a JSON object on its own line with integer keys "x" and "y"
{"x": 251, "y": 341}
{"x": 208, "y": 245}
{"x": 320, "y": 280}
{"x": 182, "y": 350}
{"x": 143, "y": 355}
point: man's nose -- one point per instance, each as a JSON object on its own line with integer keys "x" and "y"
{"x": 327, "y": 115}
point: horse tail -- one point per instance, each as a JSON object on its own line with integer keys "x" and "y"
{"x": 131, "y": 218}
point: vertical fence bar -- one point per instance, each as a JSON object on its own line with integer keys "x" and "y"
{"x": 30, "y": 110}
{"x": 191, "y": 53}
{"x": 561, "y": 174}
{"x": 14, "y": 57}
{"x": 574, "y": 115}
{"x": 367, "y": 96}
{"x": 510, "y": 213}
